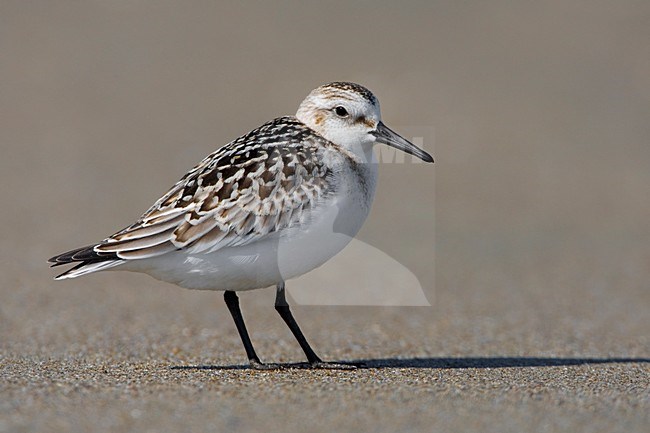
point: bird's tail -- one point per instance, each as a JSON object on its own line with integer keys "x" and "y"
{"x": 87, "y": 260}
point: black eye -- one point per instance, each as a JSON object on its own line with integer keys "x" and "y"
{"x": 341, "y": 111}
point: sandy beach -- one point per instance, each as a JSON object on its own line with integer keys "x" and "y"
{"x": 529, "y": 236}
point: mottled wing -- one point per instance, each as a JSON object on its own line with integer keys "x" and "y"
{"x": 260, "y": 183}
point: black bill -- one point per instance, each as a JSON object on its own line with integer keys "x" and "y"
{"x": 385, "y": 135}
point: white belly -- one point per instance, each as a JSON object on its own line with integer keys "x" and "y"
{"x": 279, "y": 257}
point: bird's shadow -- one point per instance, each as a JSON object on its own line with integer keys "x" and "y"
{"x": 443, "y": 363}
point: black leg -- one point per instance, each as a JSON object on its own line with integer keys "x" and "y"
{"x": 232, "y": 301}
{"x": 282, "y": 307}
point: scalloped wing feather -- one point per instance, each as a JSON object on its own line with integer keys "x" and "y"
{"x": 258, "y": 184}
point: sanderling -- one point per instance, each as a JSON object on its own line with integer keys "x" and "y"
{"x": 271, "y": 205}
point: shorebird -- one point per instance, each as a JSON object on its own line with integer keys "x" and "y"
{"x": 271, "y": 205}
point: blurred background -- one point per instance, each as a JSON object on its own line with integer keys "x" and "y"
{"x": 530, "y": 234}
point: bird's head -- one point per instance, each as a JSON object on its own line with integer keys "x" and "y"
{"x": 348, "y": 114}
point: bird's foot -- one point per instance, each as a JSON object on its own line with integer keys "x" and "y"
{"x": 259, "y": 365}
{"x": 334, "y": 365}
